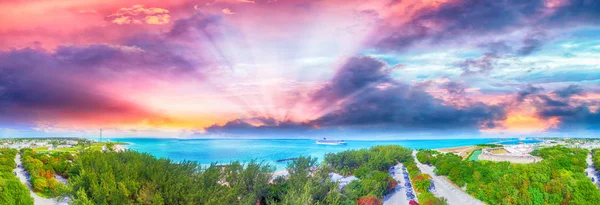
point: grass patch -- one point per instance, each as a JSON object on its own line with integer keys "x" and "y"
{"x": 499, "y": 151}
{"x": 93, "y": 147}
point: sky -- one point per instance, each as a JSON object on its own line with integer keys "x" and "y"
{"x": 292, "y": 68}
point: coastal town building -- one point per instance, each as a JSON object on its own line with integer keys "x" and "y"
{"x": 515, "y": 154}
{"x": 343, "y": 181}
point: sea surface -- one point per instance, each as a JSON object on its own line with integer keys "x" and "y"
{"x": 206, "y": 151}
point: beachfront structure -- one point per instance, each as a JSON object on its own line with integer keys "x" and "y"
{"x": 343, "y": 181}
{"x": 515, "y": 154}
{"x": 72, "y": 142}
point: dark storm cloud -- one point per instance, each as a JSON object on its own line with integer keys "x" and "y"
{"x": 528, "y": 91}
{"x": 571, "y": 113}
{"x": 457, "y": 18}
{"x": 569, "y": 91}
{"x": 267, "y": 126}
{"x": 196, "y": 22}
{"x": 369, "y": 98}
{"x": 496, "y": 47}
{"x": 461, "y": 19}
{"x": 551, "y": 102}
{"x": 531, "y": 43}
{"x": 483, "y": 65}
{"x": 454, "y": 88}
{"x": 357, "y": 74}
{"x": 397, "y": 105}
{"x": 34, "y": 84}
{"x": 576, "y": 11}
{"x": 37, "y": 82}
{"x": 150, "y": 58}
{"x": 573, "y": 117}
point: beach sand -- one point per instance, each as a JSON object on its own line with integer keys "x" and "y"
{"x": 119, "y": 148}
{"x": 280, "y": 173}
{"x": 463, "y": 151}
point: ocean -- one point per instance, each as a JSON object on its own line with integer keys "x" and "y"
{"x": 206, "y": 151}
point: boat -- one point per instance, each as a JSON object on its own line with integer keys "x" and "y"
{"x": 325, "y": 141}
{"x": 522, "y": 138}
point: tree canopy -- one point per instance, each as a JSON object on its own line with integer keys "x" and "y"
{"x": 12, "y": 191}
{"x": 558, "y": 179}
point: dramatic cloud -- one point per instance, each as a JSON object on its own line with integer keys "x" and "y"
{"x": 466, "y": 20}
{"x": 365, "y": 95}
{"x": 531, "y": 43}
{"x": 275, "y": 66}
{"x": 574, "y": 118}
{"x": 38, "y": 84}
{"x": 527, "y": 91}
{"x": 569, "y": 91}
{"x": 259, "y": 125}
{"x": 483, "y": 65}
{"x": 227, "y": 11}
{"x": 357, "y": 75}
{"x": 35, "y": 85}
{"x": 398, "y": 105}
{"x": 572, "y": 114}
{"x": 137, "y": 14}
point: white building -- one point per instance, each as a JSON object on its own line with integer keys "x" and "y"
{"x": 335, "y": 177}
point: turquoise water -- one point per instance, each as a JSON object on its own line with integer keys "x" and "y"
{"x": 475, "y": 155}
{"x": 206, "y": 151}
{"x": 516, "y": 141}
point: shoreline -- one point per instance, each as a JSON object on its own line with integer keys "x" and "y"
{"x": 283, "y": 148}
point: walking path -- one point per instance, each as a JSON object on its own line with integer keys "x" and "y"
{"x": 23, "y": 175}
{"x": 592, "y": 173}
{"x": 444, "y": 188}
{"x": 399, "y": 195}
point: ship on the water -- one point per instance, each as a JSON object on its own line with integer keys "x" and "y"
{"x": 325, "y": 141}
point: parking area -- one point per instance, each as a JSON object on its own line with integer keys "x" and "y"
{"x": 591, "y": 171}
{"x": 404, "y": 192}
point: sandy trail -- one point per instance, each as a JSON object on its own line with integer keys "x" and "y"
{"x": 23, "y": 176}
{"x": 592, "y": 173}
{"x": 446, "y": 189}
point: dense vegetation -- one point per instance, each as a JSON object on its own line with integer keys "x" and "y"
{"x": 379, "y": 158}
{"x": 12, "y": 191}
{"x": 134, "y": 178}
{"x": 596, "y": 158}
{"x": 42, "y": 168}
{"x": 371, "y": 167}
{"x": 558, "y": 179}
{"x": 489, "y": 145}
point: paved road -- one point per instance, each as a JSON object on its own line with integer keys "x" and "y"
{"x": 591, "y": 170}
{"x": 23, "y": 175}
{"x": 399, "y": 195}
{"x": 447, "y": 190}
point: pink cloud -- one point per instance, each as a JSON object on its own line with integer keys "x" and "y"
{"x": 137, "y": 14}
{"x": 227, "y": 11}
